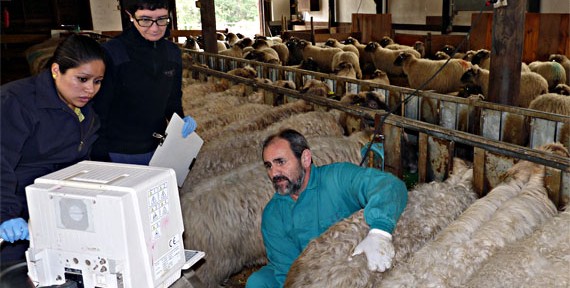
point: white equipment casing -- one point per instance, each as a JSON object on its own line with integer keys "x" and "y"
{"x": 105, "y": 225}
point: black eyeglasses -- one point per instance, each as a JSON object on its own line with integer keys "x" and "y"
{"x": 145, "y": 22}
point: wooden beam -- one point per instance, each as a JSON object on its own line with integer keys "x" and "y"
{"x": 506, "y": 53}
{"x": 208, "y": 17}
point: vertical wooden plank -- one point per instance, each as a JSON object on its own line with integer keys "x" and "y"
{"x": 422, "y": 157}
{"x": 531, "y": 36}
{"x": 393, "y": 147}
{"x": 481, "y": 31}
{"x": 564, "y": 31}
{"x": 565, "y": 191}
{"x": 479, "y": 171}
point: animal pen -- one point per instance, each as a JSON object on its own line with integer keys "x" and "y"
{"x": 482, "y": 130}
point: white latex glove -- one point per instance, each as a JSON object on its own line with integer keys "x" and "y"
{"x": 378, "y": 249}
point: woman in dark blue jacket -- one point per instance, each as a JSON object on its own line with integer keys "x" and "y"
{"x": 143, "y": 86}
{"x": 47, "y": 124}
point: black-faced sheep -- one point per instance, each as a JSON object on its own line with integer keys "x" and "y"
{"x": 531, "y": 84}
{"x": 419, "y": 71}
{"x": 191, "y": 43}
{"x": 552, "y": 71}
{"x": 323, "y": 56}
{"x": 369, "y": 99}
{"x": 366, "y": 62}
{"x": 384, "y": 58}
{"x": 562, "y": 59}
{"x": 482, "y": 58}
{"x": 335, "y": 43}
{"x": 231, "y": 38}
{"x": 347, "y": 57}
{"x": 389, "y": 43}
{"x": 282, "y": 51}
{"x": 431, "y": 207}
{"x": 235, "y": 51}
{"x": 509, "y": 213}
{"x": 450, "y": 51}
{"x": 265, "y": 55}
{"x": 440, "y": 55}
{"x": 562, "y": 89}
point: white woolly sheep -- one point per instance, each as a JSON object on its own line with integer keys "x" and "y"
{"x": 531, "y": 84}
{"x": 384, "y": 58}
{"x": 421, "y": 70}
{"x": 389, "y": 43}
{"x": 265, "y": 55}
{"x": 346, "y": 57}
{"x": 557, "y": 104}
{"x": 235, "y": 51}
{"x": 540, "y": 260}
{"x": 510, "y": 212}
{"x": 431, "y": 207}
{"x": 323, "y": 56}
{"x": 231, "y": 38}
{"x": 349, "y": 48}
{"x": 562, "y": 59}
{"x": 552, "y": 71}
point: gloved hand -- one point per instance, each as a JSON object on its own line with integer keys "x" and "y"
{"x": 14, "y": 229}
{"x": 189, "y": 126}
{"x": 378, "y": 249}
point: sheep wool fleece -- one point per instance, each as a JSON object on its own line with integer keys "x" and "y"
{"x": 40, "y": 134}
{"x": 141, "y": 91}
{"x": 334, "y": 192}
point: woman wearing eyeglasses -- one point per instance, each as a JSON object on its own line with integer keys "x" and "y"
{"x": 142, "y": 89}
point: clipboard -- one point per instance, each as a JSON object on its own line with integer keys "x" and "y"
{"x": 175, "y": 151}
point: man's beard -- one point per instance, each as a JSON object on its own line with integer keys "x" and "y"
{"x": 291, "y": 187}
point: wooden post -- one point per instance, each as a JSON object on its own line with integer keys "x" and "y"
{"x": 208, "y": 16}
{"x": 506, "y": 53}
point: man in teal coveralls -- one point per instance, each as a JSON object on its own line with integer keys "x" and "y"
{"x": 309, "y": 199}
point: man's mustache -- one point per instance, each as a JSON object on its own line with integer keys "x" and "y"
{"x": 278, "y": 178}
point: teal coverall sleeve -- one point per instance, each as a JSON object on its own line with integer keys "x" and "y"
{"x": 382, "y": 195}
{"x": 281, "y": 250}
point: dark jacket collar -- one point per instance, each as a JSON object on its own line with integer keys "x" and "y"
{"x": 46, "y": 93}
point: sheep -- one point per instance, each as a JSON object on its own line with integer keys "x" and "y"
{"x": 431, "y": 207}
{"x": 295, "y": 53}
{"x": 540, "y": 260}
{"x": 369, "y": 99}
{"x": 309, "y": 124}
{"x": 347, "y": 57}
{"x": 259, "y": 121}
{"x": 323, "y": 56}
{"x": 510, "y": 212}
{"x": 557, "y": 104}
{"x": 531, "y": 84}
{"x": 366, "y": 62}
{"x": 562, "y": 89}
{"x": 384, "y": 58}
{"x": 482, "y": 58}
{"x": 389, "y": 43}
{"x": 265, "y": 55}
{"x": 349, "y": 48}
{"x": 191, "y": 44}
{"x": 222, "y": 214}
{"x": 346, "y": 69}
{"x": 562, "y": 59}
{"x": 552, "y": 71}
{"x": 235, "y": 51}
{"x": 450, "y": 51}
{"x": 282, "y": 51}
{"x": 221, "y": 45}
{"x": 440, "y": 55}
{"x": 419, "y": 71}
{"x": 421, "y": 48}
{"x": 216, "y": 121}
{"x": 231, "y": 38}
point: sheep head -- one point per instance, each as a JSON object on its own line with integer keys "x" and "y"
{"x": 351, "y": 41}
{"x": 469, "y": 89}
{"x": 246, "y": 41}
{"x": 331, "y": 42}
{"x": 220, "y": 36}
{"x": 441, "y": 55}
{"x": 352, "y": 99}
{"x": 303, "y": 44}
{"x": 448, "y": 49}
{"x": 557, "y": 58}
{"x": 470, "y": 76}
{"x": 374, "y": 100}
{"x": 480, "y": 56}
{"x": 562, "y": 89}
{"x": 402, "y": 57}
{"x": 385, "y": 41}
{"x": 260, "y": 43}
{"x": 309, "y": 64}
{"x": 371, "y": 47}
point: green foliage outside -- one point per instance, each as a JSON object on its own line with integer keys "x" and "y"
{"x": 236, "y": 15}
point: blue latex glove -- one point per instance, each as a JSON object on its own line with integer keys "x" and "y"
{"x": 189, "y": 126}
{"x": 14, "y": 229}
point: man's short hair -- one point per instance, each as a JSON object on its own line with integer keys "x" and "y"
{"x": 133, "y": 6}
{"x": 296, "y": 140}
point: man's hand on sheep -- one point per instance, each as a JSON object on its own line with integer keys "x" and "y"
{"x": 378, "y": 249}
{"x": 189, "y": 126}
